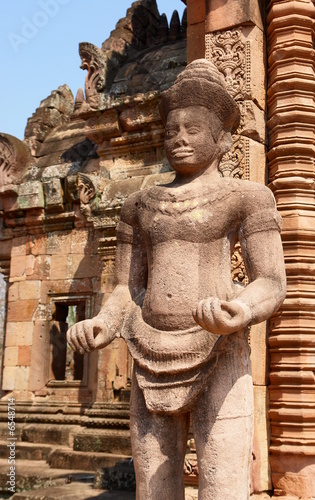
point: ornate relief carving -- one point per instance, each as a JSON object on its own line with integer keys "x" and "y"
{"x": 237, "y": 266}
{"x": 86, "y": 188}
{"x": 191, "y": 467}
{"x": 235, "y": 163}
{"x": 14, "y": 160}
{"x": 94, "y": 61}
{"x": 231, "y": 55}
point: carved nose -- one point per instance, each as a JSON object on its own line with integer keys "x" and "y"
{"x": 181, "y": 140}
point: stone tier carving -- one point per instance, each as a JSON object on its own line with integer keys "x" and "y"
{"x": 53, "y": 111}
{"x": 291, "y": 160}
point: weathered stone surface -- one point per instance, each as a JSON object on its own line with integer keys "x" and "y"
{"x": 53, "y": 111}
{"x": 102, "y": 127}
{"x": 31, "y": 195}
{"x": 53, "y": 195}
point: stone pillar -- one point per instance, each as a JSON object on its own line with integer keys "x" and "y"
{"x": 290, "y": 28}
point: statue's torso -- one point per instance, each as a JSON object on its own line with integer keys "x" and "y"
{"x": 189, "y": 238}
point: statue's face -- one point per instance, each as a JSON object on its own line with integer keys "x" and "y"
{"x": 189, "y": 143}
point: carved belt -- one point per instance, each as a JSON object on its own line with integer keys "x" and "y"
{"x": 171, "y": 367}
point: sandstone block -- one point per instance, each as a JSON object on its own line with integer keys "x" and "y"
{"x": 53, "y": 195}
{"x": 21, "y": 311}
{"x": 102, "y": 127}
{"x": 81, "y": 242}
{"x": 224, "y": 15}
{"x": 18, "y": 266}
{"x": 81, "y": 266}
{"x": 21, "y": 378}
{"x": 42, "y": 266}
{"x": 38, "y": 244}
{"x": 58, "y": 243}
{"x": 39, "y": 356}
{"x": 19, "y": 333}
{"x": 259, "y": 356}
{"x": 29, "y": 289}
{"x": 260, "y": 473}
{"x": 24, "y": 355}
{"x": 13, "y": 292}
{"x": 8, "y": 382}
{"x": 59, "y": 267}
{"x": 196, "y": 10}
{"x": 11, "y": 356}
{"x": 21, "y": 266}
{"x": 31, "y": 195}
{"x": 196, "y": 41}
{"x": 20, "y": 246}
{"x": 136, "y": 118}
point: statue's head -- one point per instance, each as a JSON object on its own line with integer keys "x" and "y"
{"x": 200, "y": 117}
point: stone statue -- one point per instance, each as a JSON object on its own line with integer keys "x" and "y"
{"x": 185, "y": 321}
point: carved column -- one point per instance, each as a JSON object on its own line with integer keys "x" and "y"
{"x": 291, "y": 163}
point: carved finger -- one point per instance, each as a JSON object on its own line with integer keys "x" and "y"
{"x": 198, "y": 315}
{"x": 207, "y": 314}
{"x": 70, "y": 339}
{"x": 73, "y": 340}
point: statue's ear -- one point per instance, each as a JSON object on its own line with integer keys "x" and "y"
{"x": 225, "y": 142}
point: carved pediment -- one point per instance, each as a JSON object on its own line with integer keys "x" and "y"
{"x": 14, "y": 160}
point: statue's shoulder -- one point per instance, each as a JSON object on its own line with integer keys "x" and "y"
{"x": 252, "y": 196}
{"x": 129, "y": 211}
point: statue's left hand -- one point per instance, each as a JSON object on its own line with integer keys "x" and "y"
{"x": 222, "y": 317}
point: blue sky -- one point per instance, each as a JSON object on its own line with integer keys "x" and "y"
{"x": 39, "y": 49}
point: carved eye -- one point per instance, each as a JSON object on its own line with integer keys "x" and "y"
{"x": 170, "y": 134}
{"x": 193, "y": 130}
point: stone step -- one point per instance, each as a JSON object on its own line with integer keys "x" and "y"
{"x": 31, "y": 474}
{"x": 56, "y": 434}
{"x": 73, "y": 492}
{"x": 26, "y": 451}
{"x": 64, "y": 458}
{"x": 103, "y": 440}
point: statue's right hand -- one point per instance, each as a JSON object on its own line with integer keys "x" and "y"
{"x": 88, "y": 335}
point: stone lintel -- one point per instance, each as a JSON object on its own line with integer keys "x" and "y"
{"x": 224, "y": 15}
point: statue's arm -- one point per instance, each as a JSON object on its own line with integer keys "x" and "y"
{"x": 130, "y": 279}
{"x": 264, "y": 262}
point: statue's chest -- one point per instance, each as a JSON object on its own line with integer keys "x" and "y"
{"x": 194, "y": 220}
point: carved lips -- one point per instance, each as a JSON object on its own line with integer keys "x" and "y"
{"x": 182, "y": 152}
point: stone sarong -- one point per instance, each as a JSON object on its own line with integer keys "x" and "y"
{"x": 171, "y": 367}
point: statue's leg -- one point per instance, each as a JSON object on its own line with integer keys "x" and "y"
{"x": 158, "y": 448}
{"x": 223, "y": 426}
